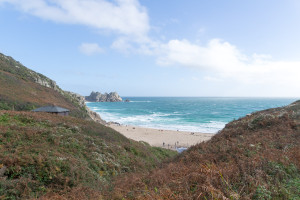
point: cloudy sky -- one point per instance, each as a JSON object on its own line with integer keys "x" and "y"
{"x": 158, "y": 48}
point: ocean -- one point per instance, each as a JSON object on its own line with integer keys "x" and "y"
{"x": 197, "y": 114}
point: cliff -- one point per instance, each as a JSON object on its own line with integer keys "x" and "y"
{"x": 106, "y": 97}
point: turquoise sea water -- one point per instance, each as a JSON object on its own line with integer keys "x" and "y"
{"x": 199, "y": 114}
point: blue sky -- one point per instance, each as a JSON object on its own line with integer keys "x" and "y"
{"x": 158, "y": 48}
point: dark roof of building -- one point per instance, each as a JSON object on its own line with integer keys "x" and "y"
{"x": 51, "y": 109}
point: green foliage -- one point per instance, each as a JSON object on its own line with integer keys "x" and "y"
{"x": 16, "y": 105}
{"x": 4, "y": 118}
{"x": 281, "y": 171}
{"x": 284, "y": 180}
{"x": 262, "y": 194}
{"x": 293, "y": 188}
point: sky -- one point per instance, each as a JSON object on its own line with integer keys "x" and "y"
{"x": 231, "y": 48}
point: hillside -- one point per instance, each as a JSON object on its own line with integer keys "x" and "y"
{"x": 52, "y": 157}
{"x": 55, "y": 157}
{"x": 255, "y": 157}
{"x": 23, "y": 89}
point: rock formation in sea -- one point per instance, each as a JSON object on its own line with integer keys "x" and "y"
{"x": 106, "y": 97}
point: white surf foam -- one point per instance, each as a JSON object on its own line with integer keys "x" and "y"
{"x": 159, "y": 121}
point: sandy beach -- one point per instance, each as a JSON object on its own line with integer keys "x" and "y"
{"x": 162, "y": 138}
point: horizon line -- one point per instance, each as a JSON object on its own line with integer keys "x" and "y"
{"x": 217, "y": 96}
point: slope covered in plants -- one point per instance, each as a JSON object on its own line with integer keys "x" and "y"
{"x": 255, "y": 157}
{"x": 23, "y": 89}
{"x": 44, "y": 155}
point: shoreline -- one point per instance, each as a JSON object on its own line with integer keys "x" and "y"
{"x": 168, "y": 139}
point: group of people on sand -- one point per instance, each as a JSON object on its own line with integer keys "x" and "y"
{"x": 169, "y": 146}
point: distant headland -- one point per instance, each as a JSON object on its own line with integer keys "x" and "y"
{"x": 106, "y": 97}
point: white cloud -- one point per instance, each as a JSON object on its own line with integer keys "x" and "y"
{"x": 216, "y": 55}
{"x": 223, "y": 61}
{"x": 220, "y": 60}
{"x": 126, "y": 17}
{"x": 90, "y": 48}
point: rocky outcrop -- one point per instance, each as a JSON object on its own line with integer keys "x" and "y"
{"x": 80, "y": 101}
{"x": 75, "y": 98}
{"x": 44, "y": 81}
{"x": 107, "y": 97}
{"x": 96, "y": 117}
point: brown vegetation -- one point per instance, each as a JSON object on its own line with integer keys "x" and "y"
{"x": 55, "y": 157}
{"x": 256, "y": 157}
{"x": 14, "y": 89}
{"x": 20, "y": 91}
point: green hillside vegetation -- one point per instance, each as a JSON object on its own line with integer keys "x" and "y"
{"x": 255, "y": 157}
{"x": 23, "y": 89}
{"x": 44, "y": 155}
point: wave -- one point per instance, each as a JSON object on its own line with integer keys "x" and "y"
{"x": 159, "y": 121}
{"x": 118, "y": 117}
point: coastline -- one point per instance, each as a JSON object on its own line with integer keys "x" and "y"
{"x": 168, "y": 139}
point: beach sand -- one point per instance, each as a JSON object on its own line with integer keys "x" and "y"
{"x": 162, "y": 138}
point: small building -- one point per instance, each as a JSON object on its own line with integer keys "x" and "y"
{"x": 53, "y": 110}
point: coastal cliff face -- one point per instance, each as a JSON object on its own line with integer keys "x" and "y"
{"x": 106, "y": 97}
{"x": 80, "y": 101}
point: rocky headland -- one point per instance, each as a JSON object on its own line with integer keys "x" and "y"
{"x": 106, "y": 97}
